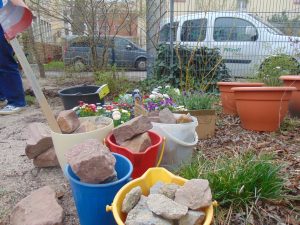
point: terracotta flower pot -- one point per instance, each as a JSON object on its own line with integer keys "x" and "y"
{"x": 262, "y": 108}
{"x": 227, "y": 95}
{"x": 294, "y": 105}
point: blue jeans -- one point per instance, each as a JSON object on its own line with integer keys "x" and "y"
{"x": 11, "y": 87}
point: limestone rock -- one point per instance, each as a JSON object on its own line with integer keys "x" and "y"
{"x": 86, "y": 126}
{"x": 39, "y": 140}
{"x": 165, "y": 207}
{"x": 68, "y": 121}
{"x": 39, "y": 208}
{"x": 166, "y": 116}
{"x": 194, "y": 194}
{"x": 128, "y": 130}
{"x": 155, "y": 189}
{"x": 139, "y": 143}
{"x": 91, "y": 161}
{"x": 131, "y": 199}
{"x": 46, "y": 159}
{"x": 192, "y": 218}
{"x": 169, "y": 190}
{"x": 141, "y": 215}
{"x": 153, "y": 113}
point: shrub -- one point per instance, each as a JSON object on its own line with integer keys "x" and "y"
{"x": 198, "y": 68}
{"x": 276, "y": 66}
{"x": 238, "y": 181}
{"x": 55, "y": 65}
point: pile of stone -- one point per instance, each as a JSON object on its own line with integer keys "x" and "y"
{"x": 168, "y": 204}
{"x": 166, "y": 116}
{"x": 39, "y": 208}
{"x": 92, "y": 162}
{"x": 39, "y": 146}
{"x": 133, "y": 134}
{"x": 69, "y": 122}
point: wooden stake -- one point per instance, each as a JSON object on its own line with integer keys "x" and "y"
{"x": 35, "y": 86}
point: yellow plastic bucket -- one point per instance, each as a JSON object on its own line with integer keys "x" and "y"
{"x": 151, "y": 177}
{"x": 63, "y": 142}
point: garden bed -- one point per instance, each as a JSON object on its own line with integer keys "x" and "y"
{"x": 19, "y": 177}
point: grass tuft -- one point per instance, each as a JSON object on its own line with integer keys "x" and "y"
{"x": 238, "y": 181}
{"x": 30, "y": 100}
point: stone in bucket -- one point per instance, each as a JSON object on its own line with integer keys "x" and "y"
{"x": 92, "y": 162}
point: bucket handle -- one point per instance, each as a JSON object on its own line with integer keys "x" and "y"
{"x": 182, "y": 142}
{"x": 162, "y": 152}
{"x": 108, "y": 208}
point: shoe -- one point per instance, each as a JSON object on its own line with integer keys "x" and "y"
{"x": 10, "y": 109}
{"x": 3, "y": 103}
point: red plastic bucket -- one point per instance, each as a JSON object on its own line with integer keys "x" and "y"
{"x": 141, "y": 161}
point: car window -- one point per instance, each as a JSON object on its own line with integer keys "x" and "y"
{"x": 80, "y": 44}
{"x": 234, "y": 29}
{"x": 164, "y": 33}
{"x": 194, "y": 30}
{"x": 121, "y": 43}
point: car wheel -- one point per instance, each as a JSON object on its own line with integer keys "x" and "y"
{"x": 141, "y": 64}
{"x": 79, "y": 65}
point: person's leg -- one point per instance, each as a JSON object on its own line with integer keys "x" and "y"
{"x": 10, "y": 80}
{"x": 13, "y": 88}
{"x": 3, "y": 101}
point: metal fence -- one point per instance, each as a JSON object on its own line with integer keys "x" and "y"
{"x": 170, "y": 38}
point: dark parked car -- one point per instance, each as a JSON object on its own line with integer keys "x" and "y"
{"x": 111, "y": 50}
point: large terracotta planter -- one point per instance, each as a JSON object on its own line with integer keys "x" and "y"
{"x": 227, "y": 95}
{"x": 206, "y": 122}
{"x": 294, "y": 105}
{"x": 262, "y": 108}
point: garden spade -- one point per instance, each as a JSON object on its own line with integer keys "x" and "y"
{"x": 15, "y": 17}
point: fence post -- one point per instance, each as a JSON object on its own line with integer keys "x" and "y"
{"x": 171, "y": 35}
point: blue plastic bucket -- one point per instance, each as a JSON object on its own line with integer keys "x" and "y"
{"x": 91, "y": 199}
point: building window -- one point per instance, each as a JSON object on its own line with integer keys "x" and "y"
{"x": 242, "y": 5}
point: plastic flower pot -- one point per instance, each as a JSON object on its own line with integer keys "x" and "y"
{"x": 150, "y": 178}
{"x": 87, "y": 93}
{"x": 64, "y": 142}
{"x": 91, "y": 199}
{"x": 140, "y": 161}
{"x": 262, "y": 108}
{"x": 206, "y": 122}
{"x": 294, "y": 105}
{"x": 227, "y": 95}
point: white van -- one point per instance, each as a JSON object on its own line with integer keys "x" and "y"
{"x": 244, "y": 39}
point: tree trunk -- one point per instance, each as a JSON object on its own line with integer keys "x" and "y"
{"x": 35, "y": 53}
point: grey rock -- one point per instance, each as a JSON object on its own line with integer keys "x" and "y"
{"x": 169, "y": 190}
{"x": 192, "y": 218}
{"x": 91, "y": 161}
{"x": 155, "y": 189}
{"x": 165, "y": 207}
{"x": 166, "y": 116}
{"x": 154, "y": 119}
{"x": 39, "y": 208}
{"x": 131, "y": 199}
{"x": 128, "y": 130}
{"x": 138, "y": 143}
{"x": 194, "y": 194}
{"x": 141, "y": 215}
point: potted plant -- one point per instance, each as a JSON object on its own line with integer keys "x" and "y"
{"x": 294, "y": 105}
{"x": 262, "y": 108}
{"x": 200, "y": 106}
{"x": 227, "y": 95}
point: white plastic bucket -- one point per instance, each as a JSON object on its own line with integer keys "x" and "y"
{"x": 63, "y": 142}
{"x": 180, "y": 142}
